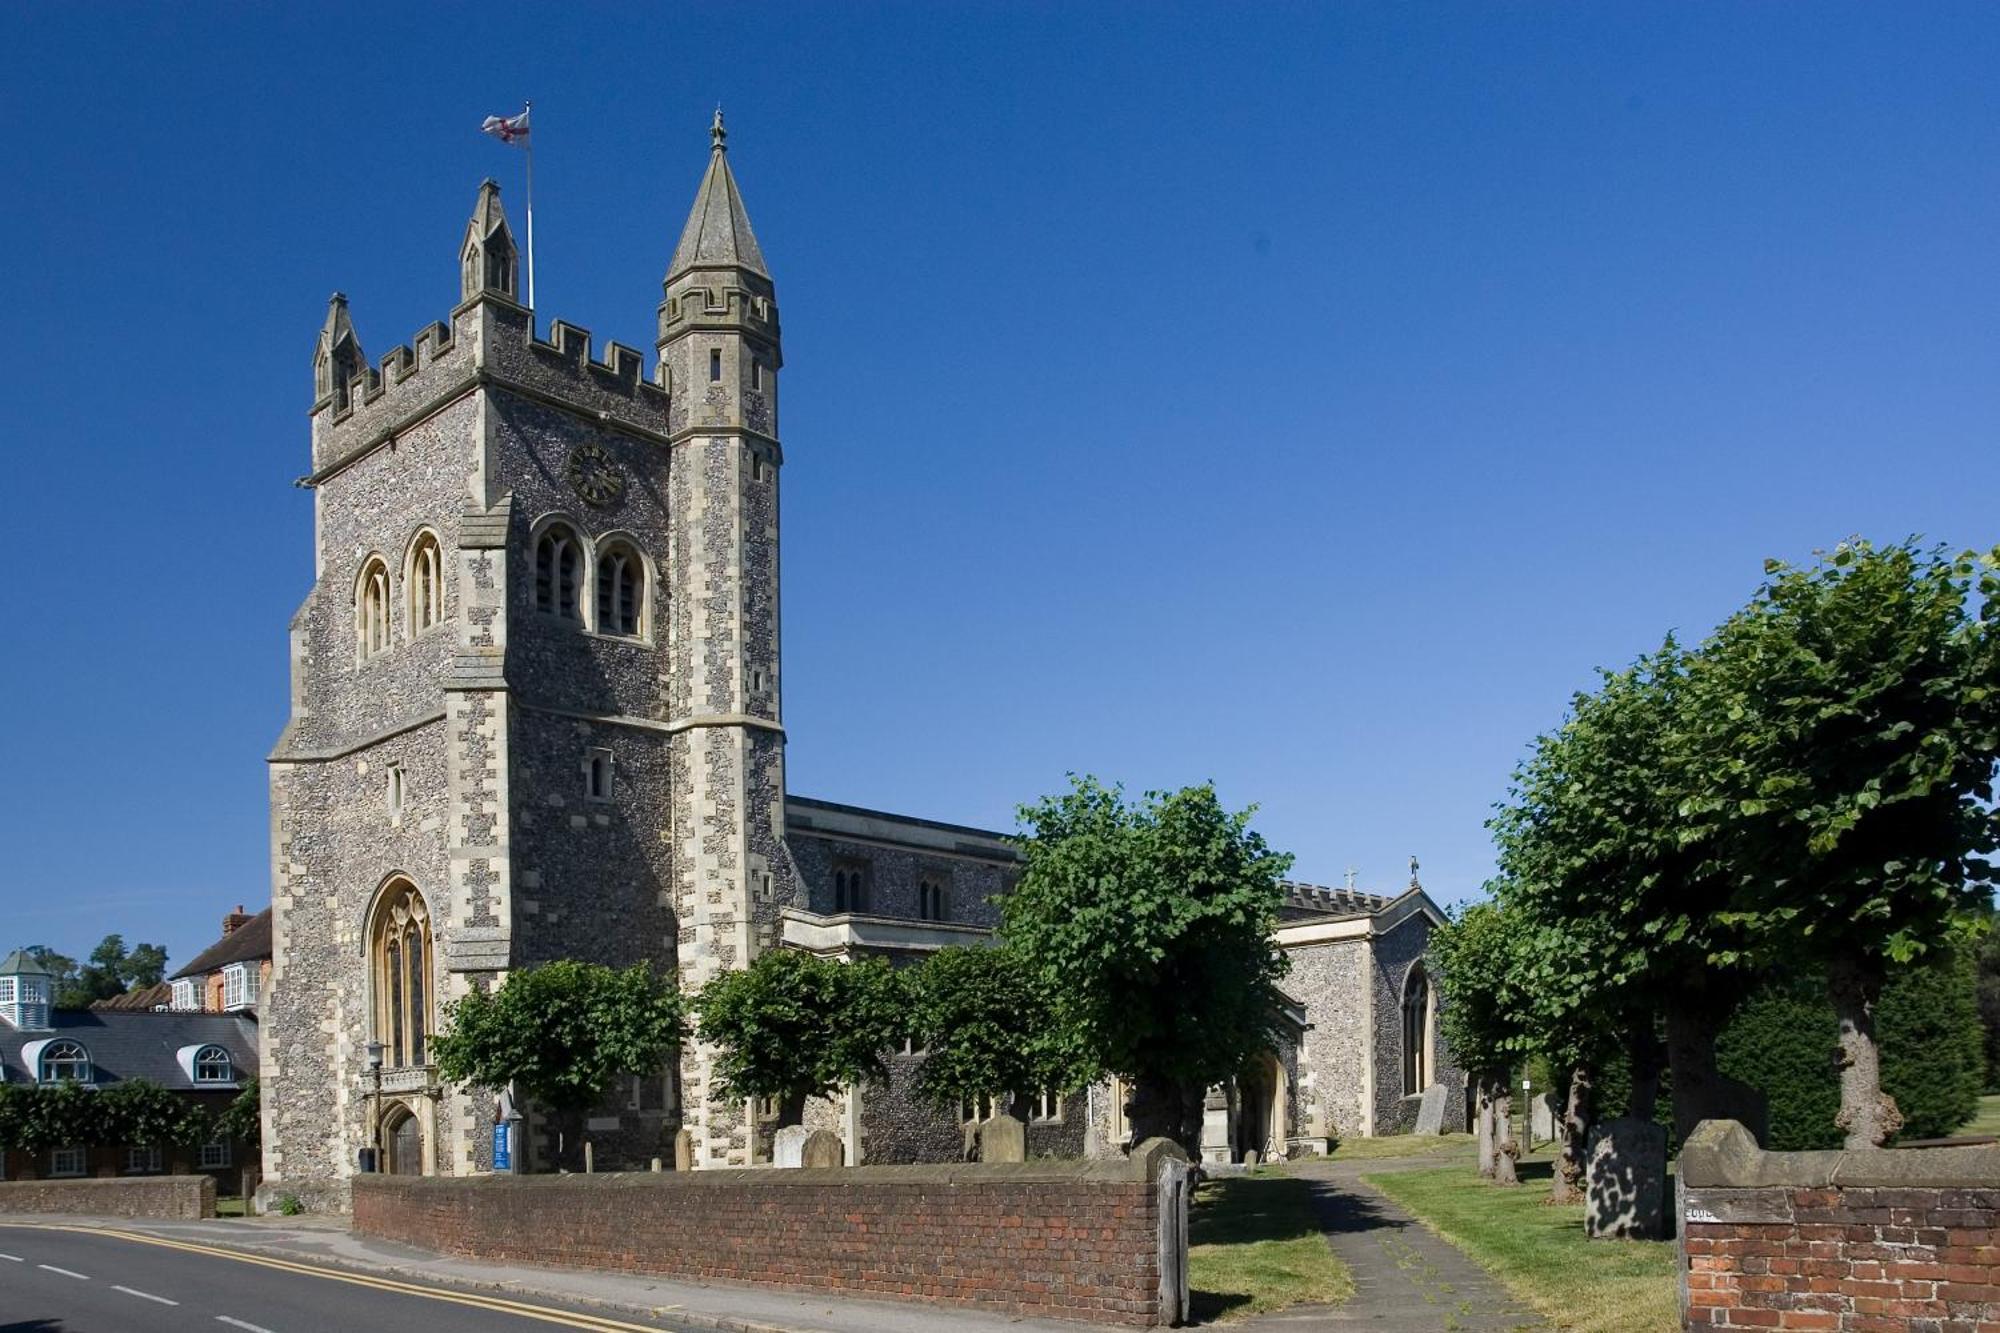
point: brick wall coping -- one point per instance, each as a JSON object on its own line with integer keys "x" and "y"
{"x": 1721, "y": 1154}
{"x": 125, "y": 1196}
{"x": 1141, "y": 1167}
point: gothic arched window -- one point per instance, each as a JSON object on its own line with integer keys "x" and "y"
{"x": 1416, "y": 1031}
{"x": 930, "y": 898}
{"x": 850, "y": 886}
{"x": 424, "y": 577}
{"x": 621, "y": 590}
{"x": 64, "y": 1062}
{"x": 399, "y": 958}
{"x": 371, "y": 607}
{"x": 559, "y": 572}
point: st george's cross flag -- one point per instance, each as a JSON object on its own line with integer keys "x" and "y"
{"x": 506, "y": 128}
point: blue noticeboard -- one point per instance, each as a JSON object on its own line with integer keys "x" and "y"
{"x": 503, "y": 1147}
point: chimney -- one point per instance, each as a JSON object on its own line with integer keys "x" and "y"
{"x": 235, "y": 919}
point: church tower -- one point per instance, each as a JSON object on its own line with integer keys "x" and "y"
{"x": 720, "y": 353}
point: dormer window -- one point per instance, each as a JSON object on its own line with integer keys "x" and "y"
{"x": 64, "y": 1062}
{"x": 239, "y": 986}
{"x": 213, "y": 1065}
{"x": 187, "y": 994}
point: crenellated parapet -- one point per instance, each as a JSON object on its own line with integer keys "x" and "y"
{"x": 489, "y": 340}
{"x": 721, "y": 301}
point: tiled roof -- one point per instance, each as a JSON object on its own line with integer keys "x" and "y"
{"x": 127, "y": 1044}
{"x": 24, "y": 964}
{"x": 250, "y": 940}
{"x": 146, "y": 997}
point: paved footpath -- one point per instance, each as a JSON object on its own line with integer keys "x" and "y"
{"x": 1406, "y": 1278}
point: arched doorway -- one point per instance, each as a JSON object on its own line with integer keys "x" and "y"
{"x": 1260, "y": 1109}
{"x": 403, "y": 1139}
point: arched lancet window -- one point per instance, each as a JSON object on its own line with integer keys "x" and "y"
{"x": 1416, "y": 1031}
{"x": 371, "y": 607}
{"x": 213, "y": 1065}
{"x": 400, "y": 951}
{"x": 64, "y": 1062}
{"x": 621, "y": 590}
{"x": 559, "y": 572}
{"x": 424, "y": 577}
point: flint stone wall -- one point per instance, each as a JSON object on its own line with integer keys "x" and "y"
{"x": 1878, "y": 1240}
{"x": 1072, "y": 1240}
{"x": 138, "y": 1196}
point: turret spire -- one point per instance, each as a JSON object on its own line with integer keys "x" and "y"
{"x": 338, "y": 358}
{"x": 718, "y": 232}
{"x": 486, "y": 257}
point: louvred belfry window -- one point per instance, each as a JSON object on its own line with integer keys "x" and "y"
{"x": 621, "y": 591}
{"x": 558, "y": 572}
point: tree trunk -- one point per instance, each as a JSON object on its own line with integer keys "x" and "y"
{"x": 1868, "y": 1114}
{"x": 1505, "y": 1147}
{"x": 1161, "y": 1108}
{"x": 1647, "y": 1058}
{"x": 1698, "y": 1089}
{"x": 1483, "y": 1123}
{"x": 1566, "y": 1181}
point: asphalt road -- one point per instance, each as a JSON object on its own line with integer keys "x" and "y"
{"x": 95, "y": 1281}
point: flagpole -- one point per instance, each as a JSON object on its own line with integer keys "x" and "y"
{"x": 527, "y": 107}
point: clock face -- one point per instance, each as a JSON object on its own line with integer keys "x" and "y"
{"x": 594, "y": 474}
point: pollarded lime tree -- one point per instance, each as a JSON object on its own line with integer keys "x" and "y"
{"x": 562, "y": 1033}
{"x": 986, "y": 1026}
{"x": 1594, "y": 840}
{"x": 793, "y": 1026}
{"x": 138, "y": 1113}
{"x": 1845, "y": 726}
{"x": 1474, "y": 959}
{"x": 1149, "y": 927}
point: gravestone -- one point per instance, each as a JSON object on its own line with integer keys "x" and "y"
{"x": 1430, "y": 1111}
{"x": 684, "y": 1150}
{"x": 823, "y": 1148}
{"x": 788, "y": 1146}
{"x": 1002, "y": 1138}
{"x": 1625, "y": 1179}
{"x": 1253, "y": 1158}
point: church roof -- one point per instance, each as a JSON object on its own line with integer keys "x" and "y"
{"x": 718, "y": 232}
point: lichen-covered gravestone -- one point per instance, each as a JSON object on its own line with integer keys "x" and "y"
{"x": 1430, "y": 1111}
{"x": 822, "y": 1148}
{"x": 788, "y": 1146}
{"x": 1002, "y": 1138}
{"x": 1625, "y": 1179}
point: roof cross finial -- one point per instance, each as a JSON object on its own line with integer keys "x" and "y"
{"x": 1413, "y": 874}
{"x": 716, "y": 133}
{"x": 1350, "y": 879}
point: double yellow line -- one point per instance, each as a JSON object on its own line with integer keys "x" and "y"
{"x": 547, "y": 1315}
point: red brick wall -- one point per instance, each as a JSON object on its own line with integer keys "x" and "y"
{"x": 133, "y": 1196}
{"x": 1907, "y": 1241}
{"x": 1070, "y": 1240}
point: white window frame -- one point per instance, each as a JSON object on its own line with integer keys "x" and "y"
{"x": 970, "y": 1107}
{"x": 143, "y": 1159}
{"x": 43, "y": 1056}
{"x": 9, "y": 990}
{"x": 217, "y": 1156}
{"x": 1047, "y": 1108}
{"x": 187, "y": 994}
{"x": 228, "y": 1066}
{"x": 73, "y": 1160}
{"x": 239, "y": 987}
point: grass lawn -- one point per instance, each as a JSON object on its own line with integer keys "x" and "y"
{"x": 1400, "y": 1145}
{"x": 231, "y": 1206}
{"x": 1986, "y": 1120}
{"x": 1253, "y": 1246}
{"x": 1539, "y": 1252}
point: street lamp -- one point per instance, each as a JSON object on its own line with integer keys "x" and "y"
{"x": 374, "y": 1049}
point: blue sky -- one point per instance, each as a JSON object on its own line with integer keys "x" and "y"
{"x": 1303, "y": 398}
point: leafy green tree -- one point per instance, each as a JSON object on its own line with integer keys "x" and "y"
{"x": 242, "y": 1120}
{"x": 57, "y": 1115}
{"x": 1843, "y": 729}
{"x": 793, "y": 1026}
{"x": 1474, "y": 959}
{"x": 986, "y": 1026}
{"x": 140, "y": 1113}
{"x": 1932, "y": 1045}
{"x": 561, "y": 1033}
{"x": 1149, "y": 926}
{"x": 1594, "y": 842}
{"x": 1988, "y": 972}
{"x": 111, "y": 970}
